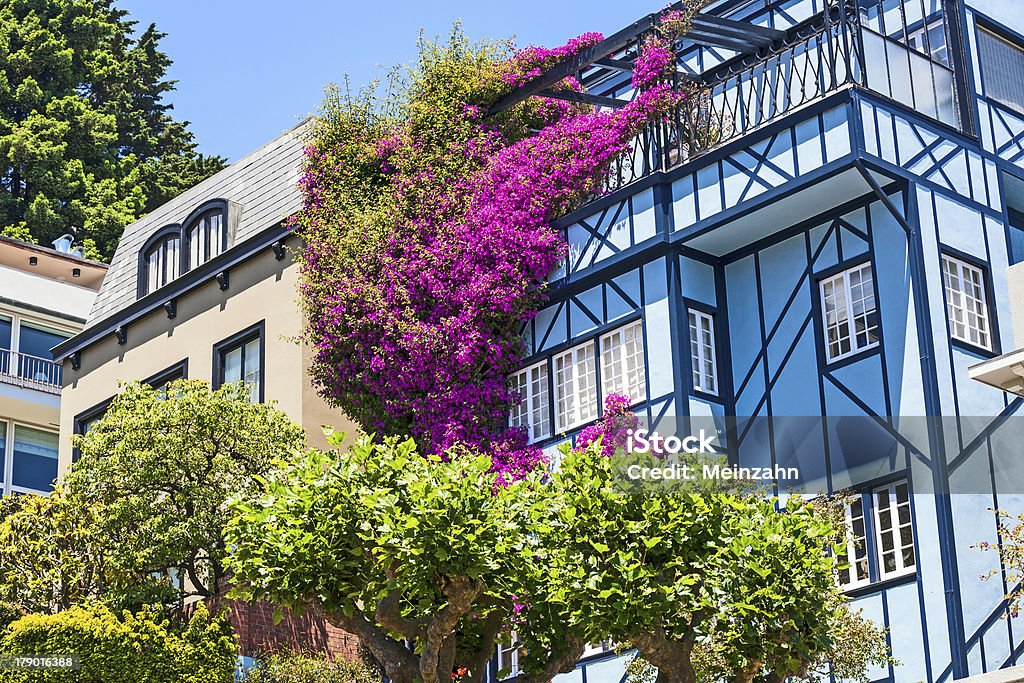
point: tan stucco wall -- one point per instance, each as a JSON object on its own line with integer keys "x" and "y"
{"x": 260, "y": 289}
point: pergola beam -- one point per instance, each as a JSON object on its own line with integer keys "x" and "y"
{"x": 706, "y": 30}
{"x": 587, "y": 98}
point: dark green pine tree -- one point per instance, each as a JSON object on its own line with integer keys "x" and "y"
{"x": 86, "y": 139}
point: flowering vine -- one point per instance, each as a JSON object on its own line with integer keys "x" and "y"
{"x": 428, "y": 234}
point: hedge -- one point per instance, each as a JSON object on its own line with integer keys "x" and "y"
{"x": 310, "y": 668}
{"x": 122, "y": 648}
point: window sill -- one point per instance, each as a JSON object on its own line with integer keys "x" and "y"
{"x": 877, "y": 586}
{"x": 853, "y": 357}
{"x": 973, "y": 349}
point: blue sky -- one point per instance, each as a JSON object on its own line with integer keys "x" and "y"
{"x": 247, "y": 70}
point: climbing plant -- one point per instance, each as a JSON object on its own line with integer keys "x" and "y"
{"x": 428, "y": 234}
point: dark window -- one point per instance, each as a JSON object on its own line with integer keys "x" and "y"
{"x": 240, "y": 358}
{"x": 206, "y": 237}
{"x": 35, "y": 458}
{"x": 86, "y": 420}
{"x": 1016, "y": 232}
{"x": 160, "y": 380}
{"x": 1002, "y": 68}
{"x": 6, "y": 327}
{"x": 162, "y": 263}
{"x": 35, "y": 361}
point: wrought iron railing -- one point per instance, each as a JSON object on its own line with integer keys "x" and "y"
{"x": 875, "y": 44}
{"x": 24, "y": 370}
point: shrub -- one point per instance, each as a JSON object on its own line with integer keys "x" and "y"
{"x": 290, "y": 667}
{"x": 125, "y": 648}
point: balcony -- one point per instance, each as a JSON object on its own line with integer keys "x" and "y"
{"x": 896, "y": 49}
{"x": 23, "y": 370}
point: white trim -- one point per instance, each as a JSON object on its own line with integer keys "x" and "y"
{"x": 623, "y": 369}
{"x": 854, "y": 553}
{"x": 534, "y": 410}
{"x": 964, "y": 287}
{"x": 891, "y": 514}
{"x": 843, "y": 301}
{"x": 575, "y": 386}
{"x": 701, "y": 323}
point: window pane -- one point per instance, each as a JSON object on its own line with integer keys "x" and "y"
{"x": 35, "y": 458}
{"x": 3, "y": 453}
{"x": 1002, "y": 69}
{"x": 251, "y": 355}
{"x": 849, "y": 312}
{"x": 575, "y": 386}
{"x": 623, "y": 370}
{"x": 702, "y": 352}
{"x": 966, "y": 305}
{"x": 232, "y": 365}
{"x": 531, "y": 410}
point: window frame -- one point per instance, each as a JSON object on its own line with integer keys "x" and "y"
{"x": 7, "y": 485}
{"x": 692, "y": 308}
{"x": 985, "y": 276}
{"x": 181, "y": 231}
{"x": 240, "y": 338}
{"x": 512, "y": 652}
{"x": 557, "y": 396}
{"x": 528, "y": 400}
{"x": 90, "y": 414}
{"x": 895, "y": 526}
{"x": 999, "y": 32}
{"x": 200, "y": 213}
{"x": 877, "y": 577}
{"x": 843, "y": 270}
{"x": 155, "y": 241}
{"x": 851, "y": 556}
{"x": 603, "y": 364}
{"x": 593, "y": 341}
{"x": 169, "y": 374}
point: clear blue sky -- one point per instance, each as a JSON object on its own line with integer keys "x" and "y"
{"x": 249, "y": 69}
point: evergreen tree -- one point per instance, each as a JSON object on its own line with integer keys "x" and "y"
{"x": 86, "y": 139}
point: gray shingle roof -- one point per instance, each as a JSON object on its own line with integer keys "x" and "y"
{"x": 264, "y": 186}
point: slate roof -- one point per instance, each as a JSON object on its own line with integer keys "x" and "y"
{"x": 264, "y": 186}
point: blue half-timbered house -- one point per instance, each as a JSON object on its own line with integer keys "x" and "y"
{"x": 825, "y": 232}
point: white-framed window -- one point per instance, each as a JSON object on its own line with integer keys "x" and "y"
{"x": 32, "y": 465}
{"x": 894, "y": 532}
{"x": 592, "y": 649}
{"x": 966, "y": 304}
{"x": 702, "y": 352}
{"x": 623, "y": 370}
{"x": 575, "y": 386}
{"x": 508, "y": 658}
{"x": 533, "y": 409}
{"x": 850, "y": 316}
{"x": 856, "y": 556}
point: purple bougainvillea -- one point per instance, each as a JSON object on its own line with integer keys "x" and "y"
{"x": 415, "y": 295}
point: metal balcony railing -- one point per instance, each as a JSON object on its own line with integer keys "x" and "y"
{"x": 23, "y": 370}
{"x": 896, "y": 49}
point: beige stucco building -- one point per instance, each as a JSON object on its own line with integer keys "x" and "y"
{"x": 203, "y": 287}
{"x": 45, "y": 296}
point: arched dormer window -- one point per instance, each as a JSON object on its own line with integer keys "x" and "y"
{"x": 206, "y": 234}
{"x": 161, "y": 259}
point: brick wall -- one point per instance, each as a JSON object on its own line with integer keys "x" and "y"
{"x": 253, "y": 623}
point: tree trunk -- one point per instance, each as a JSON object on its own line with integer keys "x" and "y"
{"x": 399, "y": 664}
{"x": 559, "y": 664}
{"x": 672, "y": 657}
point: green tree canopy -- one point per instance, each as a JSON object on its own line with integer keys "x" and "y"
{"x": 397, "y": 548}
{"x": 140, "y": 518}
{"x": 86, "y": 140}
